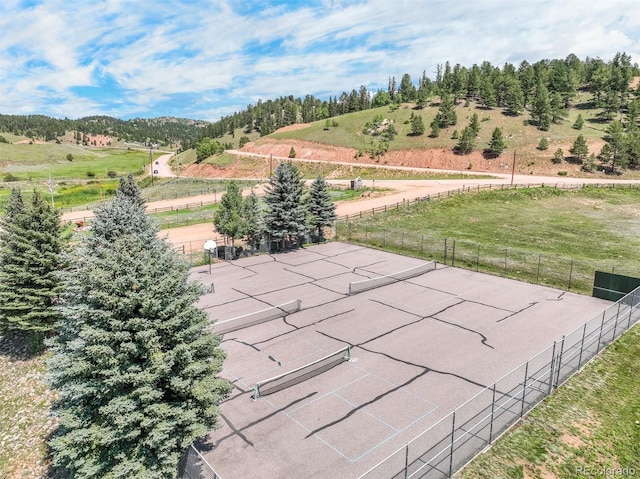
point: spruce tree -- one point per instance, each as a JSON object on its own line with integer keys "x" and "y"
{"x": 286, "y": 215}
{"x": 321, "y": 208}
{"x": 134, "y": 368}
{"x": 30, "y": 246}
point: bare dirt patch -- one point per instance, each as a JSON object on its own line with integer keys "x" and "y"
{"x": 436, "y": 158}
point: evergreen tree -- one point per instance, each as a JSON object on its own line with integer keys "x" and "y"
{"x": 579, "y": 149}
{"x": 286, "y": 213}
{"x": 474, "y": 124}
{"x": 322, "y": 211}
{"x": 446, "y": 115}
{"x": 435, "y": 129}
{"x": 30, "y": 247}
{"x": 514, "y": 100}
{"x": 228, "y": 218}
{"x": 558, "y": 156}
{"x": 543, "y": 144}
{"x": 617, "y": 142}
{"x": 579, "y": 123}
{"x": 253, "y": 217}
{"x": 541, "y": 109}
{"x": 417, "y": 125}
{"x": 466, "y": 142}
{"x": 134, "y": 368}
{"x": 497, "y": 144}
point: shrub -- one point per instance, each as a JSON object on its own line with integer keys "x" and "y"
{"x": 562, "y": 173}
{"x": 3, "y": 139}
{"x": 292, "y": 152}
{"x": 69, "y": 157}
{"x": 91, "y": 174}
{"x": 112, "y": 174}
{"x": 9, "y": 177}
{"x": 543, "y": 144}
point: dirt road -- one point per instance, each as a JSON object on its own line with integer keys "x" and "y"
{"x": 397, "y": 191}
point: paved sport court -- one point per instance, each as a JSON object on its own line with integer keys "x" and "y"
{"x": 419, "y": 348}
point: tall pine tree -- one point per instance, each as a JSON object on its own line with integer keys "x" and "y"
{"x": 134, "y": 368}
{"x": 30, "y": 246}
{"x": 321, "y": 209}
{"x": 285, "y": 219}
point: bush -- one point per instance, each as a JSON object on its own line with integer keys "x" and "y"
{"x": 562, "y": 173}
{"x": 91, "y": 174}
{"x": 112, "y": 174}
{"x": 69, "y": 157}
{"x": 543, "y": 144}
{"x": 3, "y": 139}
{"x": 292, "y": 152}
{"x": 8, "y": 177}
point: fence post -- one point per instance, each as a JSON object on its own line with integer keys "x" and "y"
{"x": 570, "y": 275}
{"x": 505, "y": 261}
{"x": 615, "y": 325}
{"x": 524, "y": 388}
{"x": 453, "y": 432}
{"x": 584, "y": 332}
{"x": 445, "y": 251}
{"x": 453, "y": 253}
{"x": 560, "y": 361}
{"x": 493, "y": 408}
{"x": 600, "y": 334}
{"x": 633, "y": 296}
{"x": 406, "y": 462}
{"x": 552, "y": 369}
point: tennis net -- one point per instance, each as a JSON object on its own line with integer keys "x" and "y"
{"x": 285, "y": 380}
{"x": 367, "y": 284}
{"x": 256, "y": 317}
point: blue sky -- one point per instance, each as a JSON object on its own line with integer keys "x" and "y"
{"x": 204, "y": 59}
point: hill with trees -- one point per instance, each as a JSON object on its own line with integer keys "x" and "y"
{"x": 162, "y": 131}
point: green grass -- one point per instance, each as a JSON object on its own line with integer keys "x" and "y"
{"x": 541, "y": 235}
{"x": 593, "y": 421}
{"x": 36, "y": 162}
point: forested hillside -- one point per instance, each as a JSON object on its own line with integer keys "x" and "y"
{"x": 542, "y": 92}
{"x": 162, "y": 131}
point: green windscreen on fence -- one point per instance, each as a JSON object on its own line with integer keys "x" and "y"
{"x": 612, "y": 287}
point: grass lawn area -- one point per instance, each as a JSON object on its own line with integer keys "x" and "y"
{"x": 590, "y": 424}
{"x": 546, "y": 235}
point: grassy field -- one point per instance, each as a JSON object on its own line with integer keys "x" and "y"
{"x": 592, "y": 423}
{"x": 36, "y": 162}
{"x": 541, "y": 235}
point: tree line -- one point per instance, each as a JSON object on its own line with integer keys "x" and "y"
{"x": 288, "y": 214}
{"x": 546, "y": 89}
{"x": 164, "y": 131}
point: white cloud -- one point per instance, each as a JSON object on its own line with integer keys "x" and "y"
{"x": 140, "y": 55}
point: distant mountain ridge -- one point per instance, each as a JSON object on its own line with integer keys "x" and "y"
{"x": 163, "y": 131}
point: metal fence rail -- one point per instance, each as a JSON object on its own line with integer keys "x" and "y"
{"x": 194, "y": 466}
{"x": 457, "y": 438}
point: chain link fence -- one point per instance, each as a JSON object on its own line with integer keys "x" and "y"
{"x": 451, "y": 443}
{"x": 194, "y": 466}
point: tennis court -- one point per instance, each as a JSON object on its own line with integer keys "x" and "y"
{"x": 371, "y": 368}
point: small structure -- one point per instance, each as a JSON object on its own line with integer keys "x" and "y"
{"x": 356, "y": 184}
